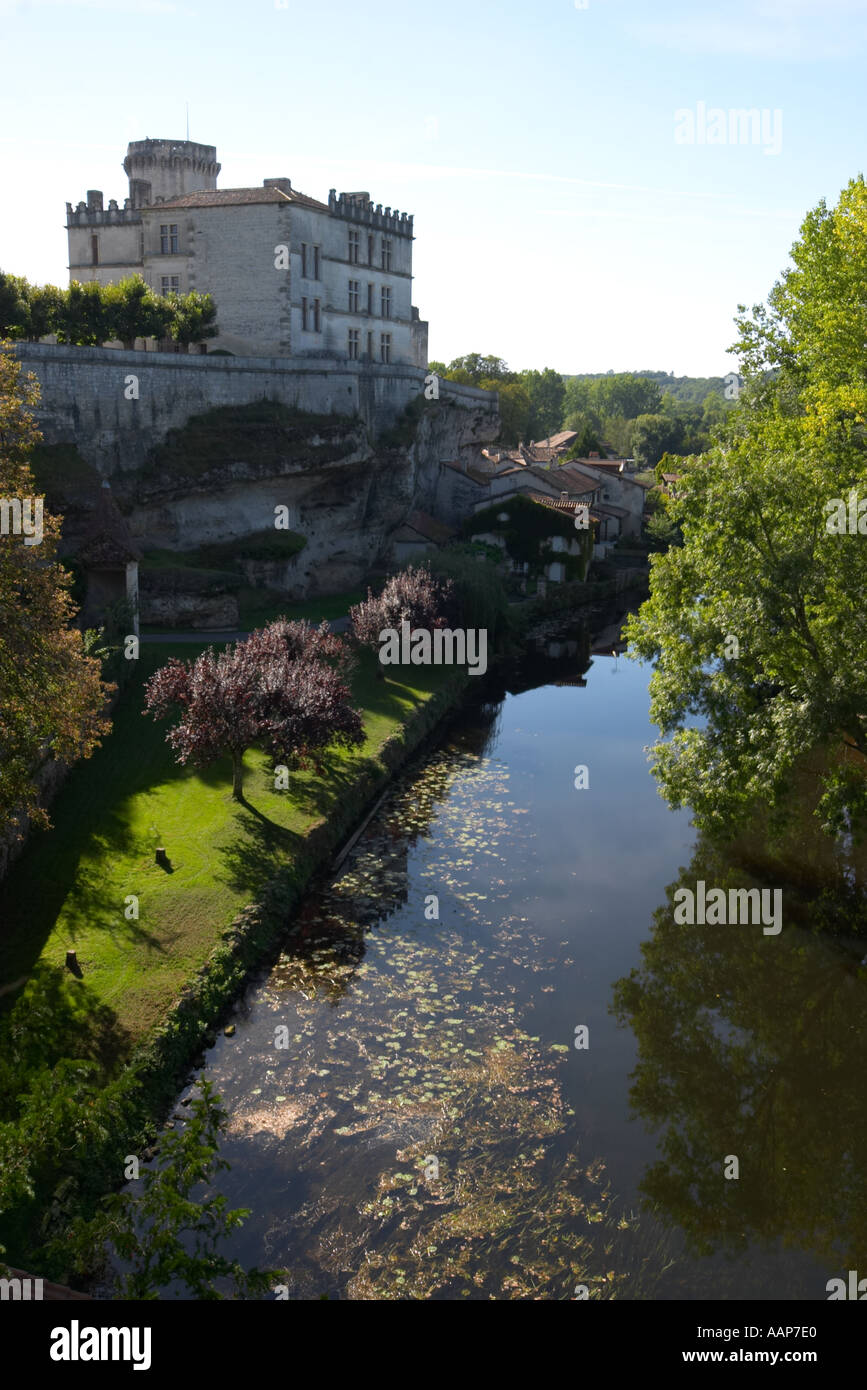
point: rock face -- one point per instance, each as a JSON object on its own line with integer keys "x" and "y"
{"x": 325, "y": 481}
{"x": 238, "y": 476}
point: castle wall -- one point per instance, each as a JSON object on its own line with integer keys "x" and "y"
{"x": 84, "y": 394}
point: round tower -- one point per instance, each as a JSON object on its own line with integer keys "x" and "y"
{"x": 161, "y": 169}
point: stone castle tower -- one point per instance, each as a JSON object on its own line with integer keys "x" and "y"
{"x": 162, "y": 169}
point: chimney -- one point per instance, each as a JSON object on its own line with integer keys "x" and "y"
{"x": 94, "y": 199}
{"x": 284, "y": 185}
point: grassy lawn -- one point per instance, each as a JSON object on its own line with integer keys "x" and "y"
{"x": 70, "y": 886}
{"x": 258, "y": 606}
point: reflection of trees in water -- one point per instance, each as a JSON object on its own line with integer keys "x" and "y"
{"x": 755, "y": 1046}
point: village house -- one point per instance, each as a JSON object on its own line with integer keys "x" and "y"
{"x": 290, "y": 275}
{"x": 418, "y": 535}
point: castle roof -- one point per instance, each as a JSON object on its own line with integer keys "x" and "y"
{"x": 226, "y": 197}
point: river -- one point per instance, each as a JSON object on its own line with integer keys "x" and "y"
{"x": 488, "y": 1065}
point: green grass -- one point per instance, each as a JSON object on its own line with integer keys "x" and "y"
{"x": 259, "y": 606}
{"x": 70, "y": 886}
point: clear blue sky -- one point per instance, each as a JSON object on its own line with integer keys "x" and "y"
{"x": 558, "y": 221}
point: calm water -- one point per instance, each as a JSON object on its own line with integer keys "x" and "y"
{"x": 409, "y": 1115}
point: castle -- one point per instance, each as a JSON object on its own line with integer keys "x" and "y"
{"x": 291, "y": 276}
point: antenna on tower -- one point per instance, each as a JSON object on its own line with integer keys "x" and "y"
{"x": 188, "y": 120}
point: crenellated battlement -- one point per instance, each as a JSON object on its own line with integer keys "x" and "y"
{"x": 93, "y": 214}
{"x": 354, "y": 207}
{"x": 171, "y": 154}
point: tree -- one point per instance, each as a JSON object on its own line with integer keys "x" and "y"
{"x": 472, "y": 368}
{"x": 412, "y": 595}
{"x": 655, "y": 435}
{"x": 82, "y": 318}
{"x": 132, "y": 310}
{"x": 626, "y": 394}
{"x": 277, "y": 690}
{"x": 44, "y": 306}
{"x": 193, "y": 317}
{"x": 148, "y": 1231}
{"x": 51, "y": 695}
{"x": 546, "y": 391}
{"x": 13, "y": 305}
{"x": 514, "y": 409}
{"x": 764, "y": 559}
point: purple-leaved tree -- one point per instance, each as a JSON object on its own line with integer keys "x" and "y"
{"x": 283, "y": 689}
{"x": 411, "y": 595}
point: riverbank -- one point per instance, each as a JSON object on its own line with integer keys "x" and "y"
{"x": 117, "y": 1041}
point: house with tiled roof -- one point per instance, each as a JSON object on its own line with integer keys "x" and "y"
{"x": 291, "y": 275}
{"x": 419, "y": 534}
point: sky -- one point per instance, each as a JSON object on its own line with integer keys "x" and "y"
{"x": 582, "y": 197}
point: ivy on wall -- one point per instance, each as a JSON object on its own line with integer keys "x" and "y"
{"x": 527, "y": 529}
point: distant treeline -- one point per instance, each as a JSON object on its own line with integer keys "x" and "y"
{"x": 91, "y": 314}
{"x": 640, "y": 415}
{"x": 692, "y": 389}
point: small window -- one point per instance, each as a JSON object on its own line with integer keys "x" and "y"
{"x": 304, "y": 314}
{"x": 304, "y": 259}
{"x": 386, "y": 303}
{"x": 370, "y": 241}
{"x": 94, "y": 250}
{"x": 354, "y": 344}
{"x": 370, "y": 347}
{"x": 317, "y": 321}
{"x": 386, "y": 253}
{"x": 354, "y": 293}
{"x": 170, "y": 284}
{"x": 370, "y": 300}
{"x": 385, "y": 347}
{"x": 354, "y": 247}
{"x": 316, "y": 262}
{"x": 169, "y": 239}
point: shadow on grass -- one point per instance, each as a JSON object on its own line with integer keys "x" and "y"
{"x": 254, "y": 855}
{"x": 88, "y": 817}
{"x": 59, "y": 1017}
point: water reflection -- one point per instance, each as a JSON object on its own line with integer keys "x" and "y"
{"x": 754, "y": 1046}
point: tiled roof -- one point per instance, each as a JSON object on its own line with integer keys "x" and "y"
{"x": 228, "y": 197}
{"x": 556, "y": 441}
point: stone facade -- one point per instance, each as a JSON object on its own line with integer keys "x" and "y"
{"x": 291, "y": 276}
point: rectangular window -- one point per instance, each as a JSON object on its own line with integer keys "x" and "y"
{"x": 354, "y": 341}
{"x": 386, "y": 254}
{"x": 354, "y": 291}
{"x": 370, "y": 347}
{"x": 370, "y": 241}
{"x": 385, "y": 347}
{"x": 386, "y": 303}
{"x": 304, "y": 259}
{"x": 304, "y": 314}
{"x": 316, "y": 262}
{"x": 94, "y": 250}
{"x": 169, "y": 239}
{"x": 370, "y": 300}
{"x": 354, "y": 247}
{"x": 317, "y": 322}
{"x": 170, "y": 284}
